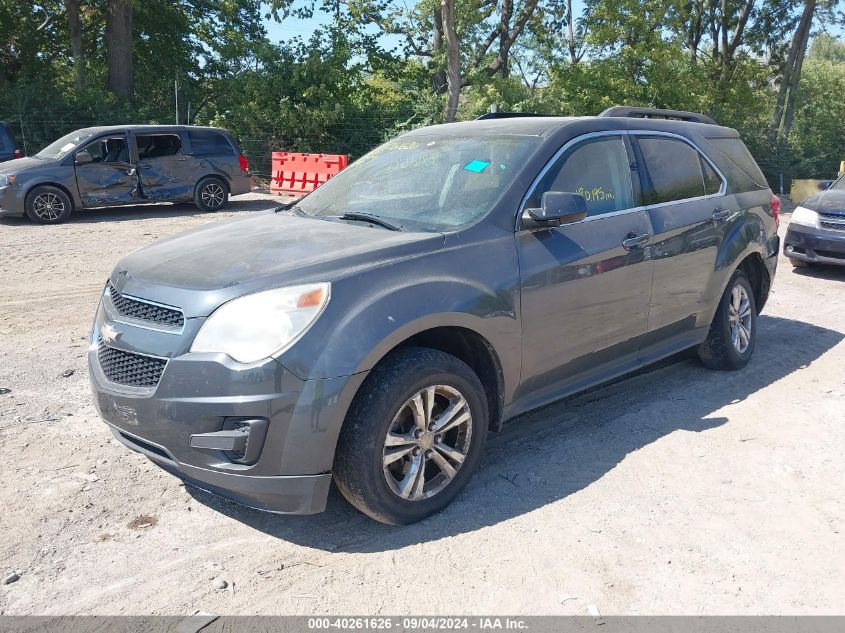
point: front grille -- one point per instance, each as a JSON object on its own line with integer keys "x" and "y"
{"x": 126, "y": 368}
{"x": 143, "y": 311}
{"x": 830, "y": 221}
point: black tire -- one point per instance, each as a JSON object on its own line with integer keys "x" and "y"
{"x": 381, "y": 406}
{"x": 721, "y": 350}
{"x": 211, "y": 194}
{"x": 799, "y": 263}
{"x": 48, "y": 205}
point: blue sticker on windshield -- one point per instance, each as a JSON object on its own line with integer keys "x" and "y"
{"x": 476, "y": 165}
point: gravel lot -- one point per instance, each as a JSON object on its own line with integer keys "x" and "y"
{"x": 678, "y": 491}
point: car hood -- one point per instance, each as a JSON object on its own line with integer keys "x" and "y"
{"x": 201, "y": 269}
{"x": 19, "y": 164}
{"x": 831, "y": 201}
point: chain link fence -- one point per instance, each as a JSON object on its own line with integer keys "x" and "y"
{"x": 350, "y": 135}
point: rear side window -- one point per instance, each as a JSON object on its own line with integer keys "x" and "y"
{"x": 158, "y": 145}
{"x": 207, "y": 142}
{"x": 597, "y": 169}
{"x": 673, "y": 170}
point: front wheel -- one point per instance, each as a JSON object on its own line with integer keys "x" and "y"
{"x": 413, "y": 436}
{"x": 733, "y": 332}
{"x": 48, "y": 205}
{"x": 211, "y": 194}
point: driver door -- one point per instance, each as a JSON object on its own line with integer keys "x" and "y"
{"x": 586, "y": 286}
{"x": 104, "y": 174}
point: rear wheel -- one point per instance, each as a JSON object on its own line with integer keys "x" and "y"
{"x": 413, "y": 436}
{"x": 211, "y": 194}
{"x": 733, "y": 333}
{"x": 48, "y": 205}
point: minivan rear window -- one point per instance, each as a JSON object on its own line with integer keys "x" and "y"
{"x": 207, "y": 142}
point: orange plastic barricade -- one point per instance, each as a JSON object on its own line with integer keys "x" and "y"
{"x": 300, "y": 173}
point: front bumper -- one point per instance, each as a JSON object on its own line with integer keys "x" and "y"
{"x": 819, "y": 246}
{"x": 10, "y": 202}
{"x": 206, "y": 393}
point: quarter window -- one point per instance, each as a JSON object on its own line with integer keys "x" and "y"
{"x": 158, "y": 145}
{"x": 674, "y": 171}
{"x": 206, "y": 142}
{"x": 598, "y": 169}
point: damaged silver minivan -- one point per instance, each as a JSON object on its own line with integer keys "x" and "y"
{"x": 123, "y": 165}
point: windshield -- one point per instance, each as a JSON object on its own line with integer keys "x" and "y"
{"x": 425, "y": 183}
{"x": 61, "y": 148}
{"x": 839, "y": 184}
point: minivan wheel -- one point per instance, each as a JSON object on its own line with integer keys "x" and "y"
{"x": 412, "y": 437}
{"x": 733, "y": 333}
{"x": 211, "y": 194}
{"x": 48, "y": 205}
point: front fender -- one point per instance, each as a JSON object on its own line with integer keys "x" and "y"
{"x": 372, "y": 312}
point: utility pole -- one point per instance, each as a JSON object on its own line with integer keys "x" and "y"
{"x": 176, "y": 94}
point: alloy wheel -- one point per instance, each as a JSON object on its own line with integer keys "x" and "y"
{"x": 48, "y": 206}
{"x": 212, "y": 195}
{"x": 427, "y": 442}
{"x": 739, "y": 314}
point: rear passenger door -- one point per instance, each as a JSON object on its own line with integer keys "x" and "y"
{"x": 586, "y": 286}
{"x": 684, "y": 195}
{"x": 163, "y": 167}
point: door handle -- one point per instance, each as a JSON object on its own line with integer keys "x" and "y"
{"x": 719, "y": 215}
{"x": 633, "y": 240}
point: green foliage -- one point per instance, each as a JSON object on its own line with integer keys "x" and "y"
{"x": 342, "y": 91}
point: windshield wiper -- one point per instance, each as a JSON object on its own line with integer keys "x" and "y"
{"x": 366, "y": 217}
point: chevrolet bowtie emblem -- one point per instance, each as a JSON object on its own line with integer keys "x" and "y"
{"x": 109, "y": 334}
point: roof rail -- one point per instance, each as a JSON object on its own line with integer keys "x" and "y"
{"x": 506, "y": 115}
{"x": 657, "y": 113}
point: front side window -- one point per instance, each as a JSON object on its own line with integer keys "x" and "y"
{"x": 112, "y": 149}
{"x": 158, "y": 145}
{"x": 673, "y": 170}
{"x": 598, "y": 169}
{"x": 429, "y": 183}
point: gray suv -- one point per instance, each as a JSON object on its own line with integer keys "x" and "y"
{"x": 455, "y": 277}
{"x": 122, "y": 165}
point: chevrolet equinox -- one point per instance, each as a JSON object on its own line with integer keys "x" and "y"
{"x": 455, "y": 277}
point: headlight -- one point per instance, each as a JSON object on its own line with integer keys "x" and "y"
{"x": 805, "y": 217}
{"x": 263, "y": 324}
{"x": 6, "y": 179}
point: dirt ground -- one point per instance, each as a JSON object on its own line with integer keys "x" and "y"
{"x": 678, "y": 491}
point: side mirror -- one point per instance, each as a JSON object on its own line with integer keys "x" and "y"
{"x": 82, "y": 158}
{"x": 558, "y": 207}
{"x": 824, "y": 185}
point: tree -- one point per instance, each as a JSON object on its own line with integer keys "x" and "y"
{"x": 791, "y": 75}
{"x": 75, "y": 33}
{"x": 119, "y": 43}
{"x": 453, "y": 59}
